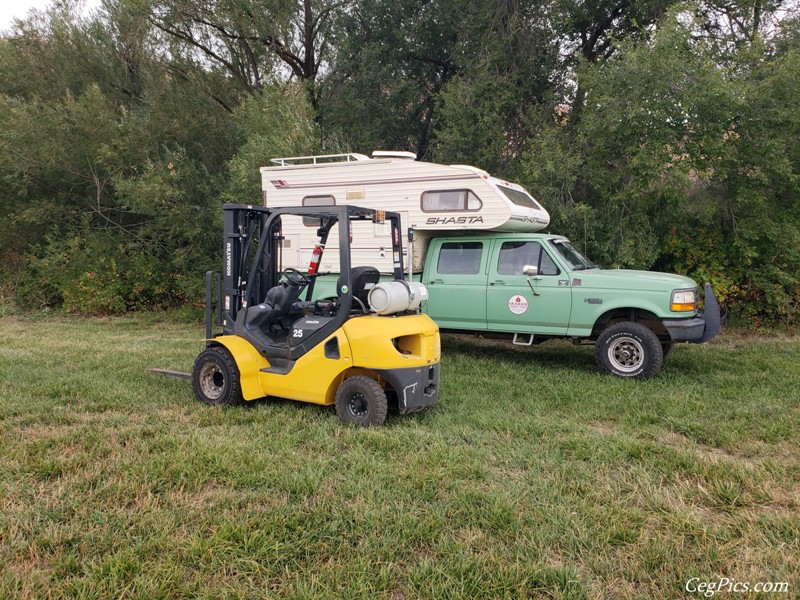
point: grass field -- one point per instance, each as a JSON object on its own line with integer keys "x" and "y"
{"x": 534, "y": 476}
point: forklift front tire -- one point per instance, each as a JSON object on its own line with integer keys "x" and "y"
{"x": 215, "y": 378}
{"x": 361, "y": 401}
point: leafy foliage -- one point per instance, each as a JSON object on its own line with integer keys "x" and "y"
{"x": 393, "y": 60}
{"x": 678, "y": 162}
{"x": 278, "y": 121}
{"x": 696, "y": 159}
{"x": 113, "y": 185}
{"x": 659, "y": 135}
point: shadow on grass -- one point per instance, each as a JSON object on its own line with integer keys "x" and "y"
{"x": 565, "y": 357}
{"x": 279, "y": 403}
{"x": 557, "y": 354}
{"x": 307, "y": 410}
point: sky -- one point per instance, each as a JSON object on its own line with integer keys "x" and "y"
{"x": 18, "y": 8}
{"x": 9, "y": 9}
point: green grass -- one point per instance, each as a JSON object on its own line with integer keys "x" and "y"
{"x": 534, "y": 476}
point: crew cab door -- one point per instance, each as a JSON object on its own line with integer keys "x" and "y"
{"x": 455, "y": 276}
{"x": 511, "y": 305}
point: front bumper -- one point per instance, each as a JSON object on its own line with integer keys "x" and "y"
{"x": 416, "y": 387}
{"x": 701, "y": 328}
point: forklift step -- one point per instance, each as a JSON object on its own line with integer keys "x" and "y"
{"x": 279, "y": 366}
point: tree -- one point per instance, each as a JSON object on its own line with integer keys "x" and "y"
{"x": 250, "y": 39}
{"x": 393, "y": 61}
{"x": 84, "y": 118}
{"x": 278, "y": 121}
{"x": 516, "y": 78}
{"x": 692, "y": 167}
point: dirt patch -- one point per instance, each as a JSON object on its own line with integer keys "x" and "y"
{"x": 602, "y": 428}
{"x": 677, "y": 441}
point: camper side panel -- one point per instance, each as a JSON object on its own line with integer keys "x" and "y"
{"x": 396, "y": 185}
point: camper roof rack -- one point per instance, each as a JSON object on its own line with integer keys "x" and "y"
{"x": 320, "y": 158}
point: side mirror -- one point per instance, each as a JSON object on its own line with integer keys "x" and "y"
{"x": 530, "y": 270}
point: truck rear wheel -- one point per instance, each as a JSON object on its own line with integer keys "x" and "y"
{"x": 361, "y": 401}
{"x": 629, "y": 349}
{"x": 215, "y": 378}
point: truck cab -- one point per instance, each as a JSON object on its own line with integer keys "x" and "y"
{"x": 534, "y": 287}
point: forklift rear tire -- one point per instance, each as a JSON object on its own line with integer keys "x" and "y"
{"x": 215, "y": 378}
{"x": 361, "y": 401}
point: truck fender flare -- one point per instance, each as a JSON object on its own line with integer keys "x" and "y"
{"x": 628, "y": 313}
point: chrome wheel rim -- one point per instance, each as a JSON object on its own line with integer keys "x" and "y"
{"x": 626, "y": 354}
{"x": 212, "y": 381}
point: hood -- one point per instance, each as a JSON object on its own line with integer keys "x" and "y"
{"x": 632, "y": 280}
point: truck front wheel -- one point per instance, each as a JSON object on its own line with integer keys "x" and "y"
{"x": 361, "y": 401}
{"x": 629, "y": 349}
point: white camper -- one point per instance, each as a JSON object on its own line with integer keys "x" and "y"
{"x": 430, "y": 197}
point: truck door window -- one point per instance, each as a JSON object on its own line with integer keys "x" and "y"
{"x": 547, "y": 266}
{"x": 460, "y": 258}
{"x": 574, "y": 259}
{"x": 450, "y": 201}
{"x": 515, "y": 255}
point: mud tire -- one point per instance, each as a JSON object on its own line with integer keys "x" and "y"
{"x": 215, "y": 378}
{"x": 361, "y": 401}
{"x": 630, "y": 350}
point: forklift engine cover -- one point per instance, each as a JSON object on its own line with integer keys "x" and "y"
{"x": 304, "y": 327}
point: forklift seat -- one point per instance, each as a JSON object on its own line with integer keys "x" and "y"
{"x": 277, "y": 304}
{"x": 362, "y": 280}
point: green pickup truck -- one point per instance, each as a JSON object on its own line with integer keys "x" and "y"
{"x": 532, "y": 287}
{"x": 488, "y": 269}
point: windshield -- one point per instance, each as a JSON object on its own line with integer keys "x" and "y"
{"x": 575, "y": 260}
{"x": 519, "y": 198}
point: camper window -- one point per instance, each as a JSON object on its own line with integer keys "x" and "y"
{"x": 519, "y": 198}
{"x": 316, "y": 201}
{"x": 450, "y": 200}
{"x": 460, "y": 258}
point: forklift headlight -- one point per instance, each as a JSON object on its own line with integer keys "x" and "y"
{"x": 683, "y": 301}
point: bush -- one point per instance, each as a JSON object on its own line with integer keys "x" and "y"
{"x": 87, "y": 277}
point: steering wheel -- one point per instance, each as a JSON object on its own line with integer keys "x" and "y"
{"x": 295, "y": 278}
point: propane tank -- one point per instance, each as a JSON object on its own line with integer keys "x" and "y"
{"x": 392, "y": 297}
{"x": 315, "y": 258}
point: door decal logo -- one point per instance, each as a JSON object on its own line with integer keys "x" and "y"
{"x": 517, "y": 304}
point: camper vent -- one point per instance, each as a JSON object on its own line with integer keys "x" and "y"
{"x": 394, "y": 154}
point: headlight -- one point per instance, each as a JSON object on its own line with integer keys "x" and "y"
{"x": 683, "y": 300}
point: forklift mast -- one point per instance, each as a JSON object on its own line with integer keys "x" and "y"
{"x": 252, "y": 243}
{"x": 243, "y": 230}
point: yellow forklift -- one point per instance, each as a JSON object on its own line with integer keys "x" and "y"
{"x": 357, "y": 348}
